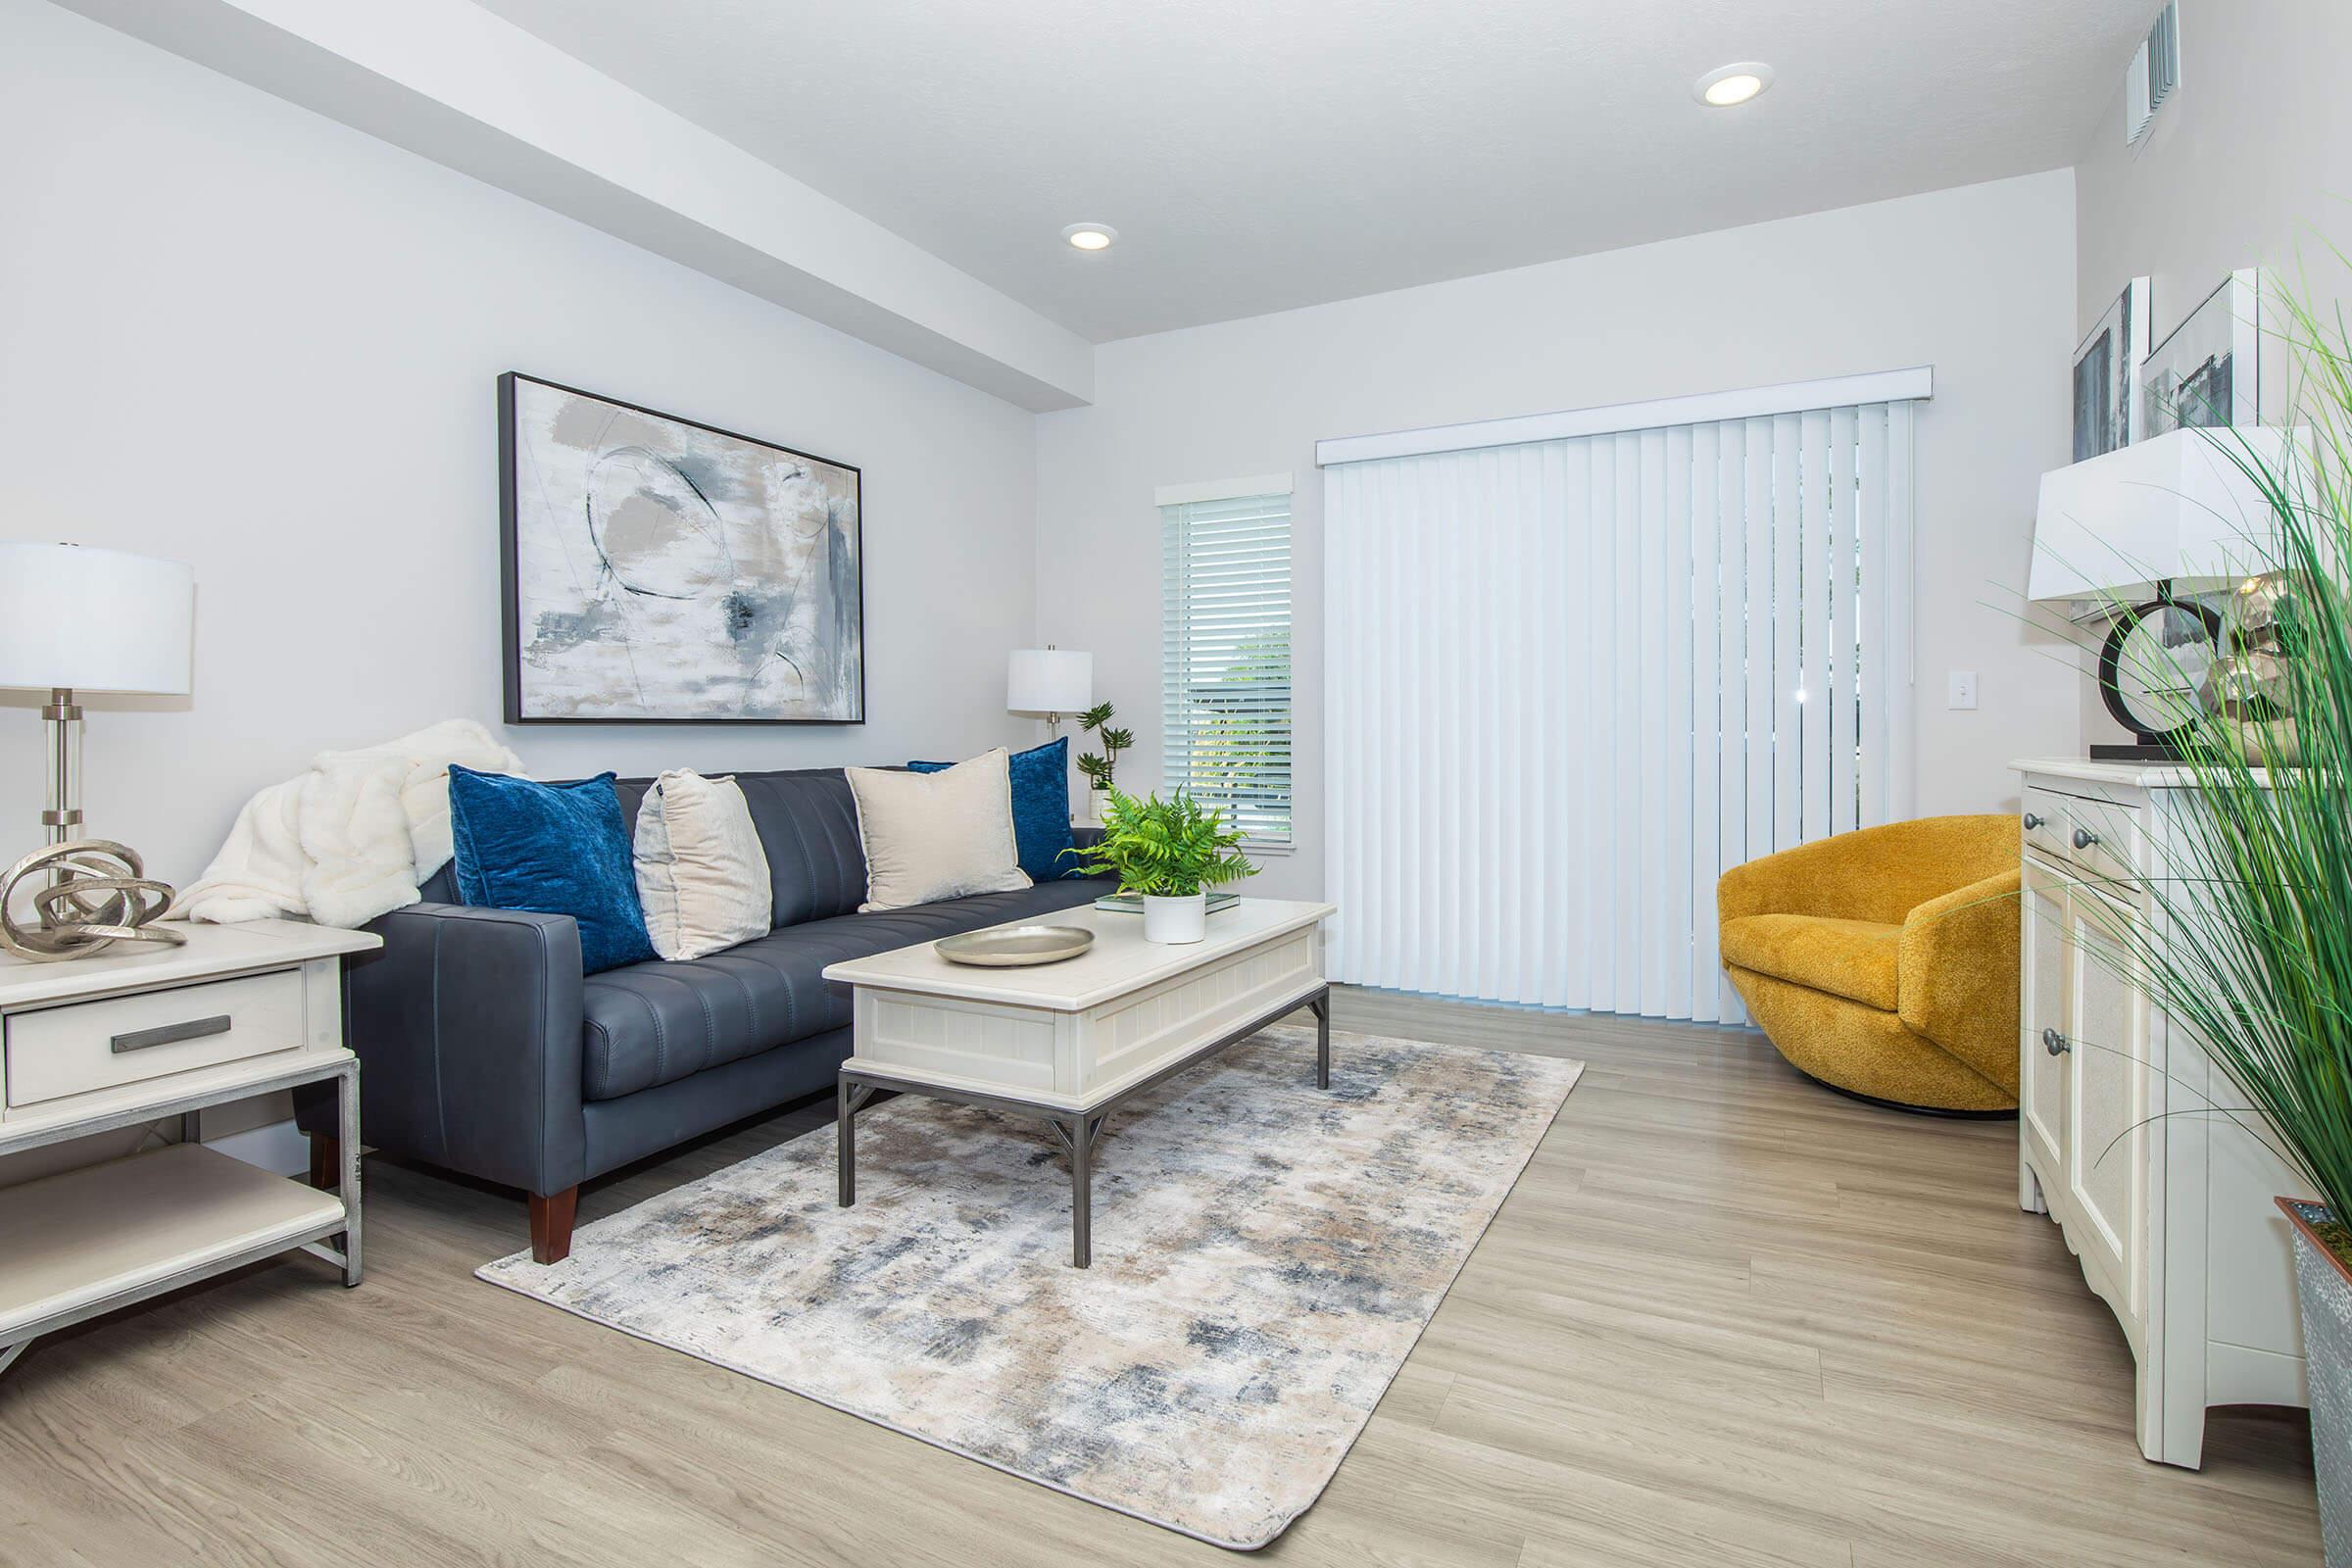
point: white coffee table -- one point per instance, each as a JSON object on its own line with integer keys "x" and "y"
{"x": 1067, "y": 1041}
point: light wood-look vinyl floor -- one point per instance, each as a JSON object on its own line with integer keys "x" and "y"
{"x": 1725, "y": 1318}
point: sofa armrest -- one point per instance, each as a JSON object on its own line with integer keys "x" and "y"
{"x": 467, "y": 1024}
{"x": 1957, "y": 974}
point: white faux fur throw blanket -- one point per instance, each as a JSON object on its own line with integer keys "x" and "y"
{"x": 349, "y": 840}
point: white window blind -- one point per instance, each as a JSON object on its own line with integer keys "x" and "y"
{"x": 1571, "y": 681}
{"x": 1225, "y": 659}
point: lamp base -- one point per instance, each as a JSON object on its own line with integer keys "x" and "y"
{"x": 2134, "y": 752}
{"x": 61, "y": 716}
{"x": 87, "y": 893}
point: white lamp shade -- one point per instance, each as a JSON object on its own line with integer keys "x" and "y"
{"x": 96, "y": 620}
{"x": 1048, "y": 680}
{"x": 2174, "y": 507}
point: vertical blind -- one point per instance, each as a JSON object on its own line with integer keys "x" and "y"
{"x": 1571, "y": 681}
{"x": 1225, "y": 659}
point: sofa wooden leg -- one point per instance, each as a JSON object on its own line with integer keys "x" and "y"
{"x": 326, "y": 1161}
{"x": 550, "y": 1225}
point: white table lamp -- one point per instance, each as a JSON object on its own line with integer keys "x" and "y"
{"x": 2142, "y": 531}
{"x": 1050, "y": 681}
{"x": 2173, "y": 508}
{"x": 75, "y": 620}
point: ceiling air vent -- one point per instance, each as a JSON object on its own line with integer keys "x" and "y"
{"x": 2155, "y": 72}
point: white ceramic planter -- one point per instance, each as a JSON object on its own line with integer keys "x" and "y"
{"x": 1175, "y": 920}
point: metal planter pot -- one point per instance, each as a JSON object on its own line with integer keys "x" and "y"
{"x": 2323, "y": 1283}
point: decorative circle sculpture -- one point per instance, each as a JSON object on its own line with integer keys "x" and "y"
{"x": 2153, "y": 664}
{"x": 90, "y": 894}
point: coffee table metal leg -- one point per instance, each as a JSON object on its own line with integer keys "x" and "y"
{"x": 1321, "y": 1006}
{"x": 845, "y": 1129}
{"x": 1078, "y": 1136}
{"x": 845, "y": 1133}
{"x": 1082, "y": 1194}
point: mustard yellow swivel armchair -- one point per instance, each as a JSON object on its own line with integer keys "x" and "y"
{"x": 1883, "y": 962}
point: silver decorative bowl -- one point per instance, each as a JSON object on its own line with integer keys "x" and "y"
{"x": 1016, "y": 947}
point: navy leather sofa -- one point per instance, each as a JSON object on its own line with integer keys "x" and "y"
{"x": 483, "y": 1049}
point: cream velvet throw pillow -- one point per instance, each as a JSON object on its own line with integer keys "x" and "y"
{"x": 932, "y": 836}
{"x": 702, "y": 876}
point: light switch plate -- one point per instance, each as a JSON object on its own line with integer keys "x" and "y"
{"x": 1963, "y": 690}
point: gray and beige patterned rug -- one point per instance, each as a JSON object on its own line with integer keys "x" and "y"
{"x": 1265, "y": 1256}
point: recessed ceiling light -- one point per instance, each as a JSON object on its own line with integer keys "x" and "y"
{"x": 1727, "y": 85}
{"x": 1091, "y": 236}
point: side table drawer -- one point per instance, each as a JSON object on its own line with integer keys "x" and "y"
{"x": 84, "y": 1045}
{"x": 2103, "y": 838}
{"x": 2045, "y": 823}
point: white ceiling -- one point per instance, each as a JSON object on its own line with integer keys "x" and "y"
{"x": 1256, "y": 155}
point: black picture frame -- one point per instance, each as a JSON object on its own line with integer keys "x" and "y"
{"x": 509, "y": 563}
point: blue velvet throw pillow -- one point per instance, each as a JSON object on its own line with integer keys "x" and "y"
{"x": 550, "y": 849}
{"x": 1041, "y": 808}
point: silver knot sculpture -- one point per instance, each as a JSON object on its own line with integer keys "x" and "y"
{"x": 94, "y": 893}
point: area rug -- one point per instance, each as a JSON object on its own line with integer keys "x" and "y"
{"x": 1266, "y": 1254}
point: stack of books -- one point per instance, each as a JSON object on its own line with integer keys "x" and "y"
{"x": 1133, "y": 902}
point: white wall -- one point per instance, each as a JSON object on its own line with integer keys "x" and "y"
{"x": 2248, "y": 163}
{"x": 1977, "y": 282}
{"x": 475, "y": 92}
{"x": 244, "y": 337}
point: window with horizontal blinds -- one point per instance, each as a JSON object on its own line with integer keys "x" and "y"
{"x": 1225, "y": 659}
{"x": 1570, "y": 682}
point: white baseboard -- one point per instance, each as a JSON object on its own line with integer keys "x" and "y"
{"x": 274, "y": 1146}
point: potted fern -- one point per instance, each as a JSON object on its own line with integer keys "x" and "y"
{"x": 1170, "y": 853}
{"x": 2259, "y": 893}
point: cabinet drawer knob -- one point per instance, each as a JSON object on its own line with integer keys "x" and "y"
{"x": 169, "y": 1034}
{"x": 2056, "y": 1043}
{"x": 2084, "y": 838}
{"x": 2033, "y": 821}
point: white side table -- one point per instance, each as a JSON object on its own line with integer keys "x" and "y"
{"x": 137, "y": 1036}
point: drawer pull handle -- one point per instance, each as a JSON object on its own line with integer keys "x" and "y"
{"x": 2056, "y": 1043}
{"x": 169, "y": 1034}
{"x": 2033, "y": 821}
{"x": 2084, "y": 838}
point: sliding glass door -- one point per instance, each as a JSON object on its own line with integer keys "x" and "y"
{"x": 1571, "y": 681}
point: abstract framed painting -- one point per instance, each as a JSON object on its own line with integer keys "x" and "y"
{"x": 2108, "y": 408}
{"x": 2205, "y": 374}
{"x": 661, "y": 571}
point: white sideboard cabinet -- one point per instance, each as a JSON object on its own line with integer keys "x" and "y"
{"x": 2167, "y": 1206}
